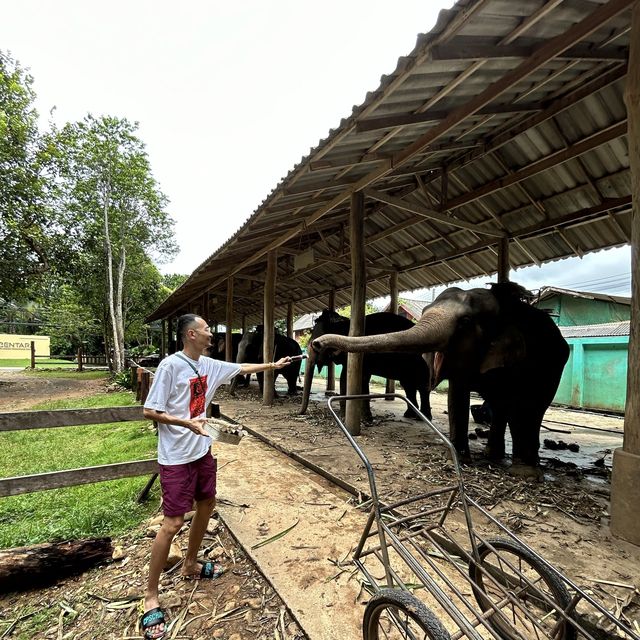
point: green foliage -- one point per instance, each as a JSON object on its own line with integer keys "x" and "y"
{"x": 123, "y": 378}
{"x": 303, "y": 340}
{"x": 32, "y": 235}
{"x": 346, "y": 311}
{"x": 173, "y": 280}
{"x": 104, "y": 508}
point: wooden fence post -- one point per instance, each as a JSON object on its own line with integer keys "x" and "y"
{"x": 79, "y": 358}
{"x": 33, "y": 354}
{"x": 133, "y": 377}
{"x": 146, "y": 384}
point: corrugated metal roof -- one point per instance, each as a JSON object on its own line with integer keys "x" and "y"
{"x": 597, "y": 330}
{"x": 506, "y": 118}
{"x": 550, "y": 292}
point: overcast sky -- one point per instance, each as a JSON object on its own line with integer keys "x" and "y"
{"x": 230, "y": 96}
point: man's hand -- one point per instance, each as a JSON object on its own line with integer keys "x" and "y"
{"x": 283, "y": 362}
{"x": 196, "y": 425}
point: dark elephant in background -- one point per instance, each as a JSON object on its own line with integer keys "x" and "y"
{"x": 217, "y": 350}
{"x": 410, "y": 369}
{"x": 491, "y": 341}
{"x": 250, "y": 349}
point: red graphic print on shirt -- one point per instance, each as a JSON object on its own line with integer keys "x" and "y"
{"x": 198, "y": 388}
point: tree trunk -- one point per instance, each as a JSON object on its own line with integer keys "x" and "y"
{"x": 43, "y": 564}
{"x": 117, "y": 365}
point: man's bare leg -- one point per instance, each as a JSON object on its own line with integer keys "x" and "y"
{"x": 159, "y": 554}
{"x": 204, "y": 509}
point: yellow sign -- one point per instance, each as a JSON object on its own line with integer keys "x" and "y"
{"x": 14, "y": 347}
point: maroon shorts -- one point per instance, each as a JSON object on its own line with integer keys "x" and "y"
{"x": 184, "y": 483}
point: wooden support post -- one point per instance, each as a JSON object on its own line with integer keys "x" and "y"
{"x": 228, "y": 343}
{"x": 290, "y": 319}
{"x": 33, "y": 354}
{"x": 244, "y": 323}
{"x": 331, "y": 368}
{"x": 503, "y": 259}
{"x": 269, "y": 318}
{"x": 625, "y": 479}
{"x": 163, "y": 339}
{"x": 79, "y": 356}
{"x": 353, "y": 412}
{"x": 393, "y": 308}
{"x": 171, "y": 343}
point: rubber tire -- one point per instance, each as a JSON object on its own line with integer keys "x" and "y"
{"x": 410, "y": 606}
{"x": 555, "y": 585}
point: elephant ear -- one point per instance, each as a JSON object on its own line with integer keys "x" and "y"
{"x": 506, "y": 350}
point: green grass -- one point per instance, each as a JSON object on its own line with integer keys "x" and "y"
{"x": 100, "y": 509}
{"x": 40, "y": 362}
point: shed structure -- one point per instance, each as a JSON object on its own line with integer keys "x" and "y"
{"x": 573, "y": 308}
{"x": 507, "y": 137}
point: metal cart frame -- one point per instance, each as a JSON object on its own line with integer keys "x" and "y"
{"x": 531, "y": 598}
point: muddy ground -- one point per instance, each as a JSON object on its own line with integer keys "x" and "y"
{"x": 565, "y": 518}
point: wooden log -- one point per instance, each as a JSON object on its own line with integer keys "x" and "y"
{"x": 289, "y": 319}
{"x": 44, "y": 564}
{"x": 503, "y": 259}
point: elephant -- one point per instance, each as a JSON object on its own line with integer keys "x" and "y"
{"x": 491, "y": 341}
{"x": 217, "y": 350}
{"x": 250, "y": 350}
{"x": 409, "y": 368}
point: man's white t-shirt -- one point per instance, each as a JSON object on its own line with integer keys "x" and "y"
{"x": 176, "y": 390}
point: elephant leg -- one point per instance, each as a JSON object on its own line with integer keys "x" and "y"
{"x": 343, "y": 389}
{"x": 525, "y": 433}
{"x": 495, "y": 445}
{"x": 260, "y": 377}
{"x": 411, "y": 393}
{"x": 425, "y": 402}
{"x": 458, "y": 401}
{"x": 292, "y": 378}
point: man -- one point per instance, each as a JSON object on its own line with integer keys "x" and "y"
{"x": 183, "y": 387}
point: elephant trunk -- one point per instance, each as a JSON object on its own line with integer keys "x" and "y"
{"x": 309, "y": 366}
{"x": 431, "y": 333}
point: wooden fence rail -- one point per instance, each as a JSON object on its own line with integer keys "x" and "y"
{"x": 22, "y": 420}
{"x": 80, "y": 357}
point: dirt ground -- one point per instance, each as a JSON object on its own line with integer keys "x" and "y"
{"x": 105, "y": 602}
{"x": 565, "y": 518}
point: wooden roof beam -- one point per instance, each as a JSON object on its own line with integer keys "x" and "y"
{"x": 430, "y": 214}
{"x": 435, "y": 115}
{"x": 586, "y": 144}
{"x": 541, "y": 56}
{"x": 478, "y": 48}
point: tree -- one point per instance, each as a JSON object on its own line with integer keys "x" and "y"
{"x": 32, "y": 236}
{"x": 107, "y": 189}
{"x": 173, "y": 280}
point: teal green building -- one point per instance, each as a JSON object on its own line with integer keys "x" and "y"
{"x": 596, "y": 327}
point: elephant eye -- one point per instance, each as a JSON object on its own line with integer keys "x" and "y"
{"x": 464, "y": 321}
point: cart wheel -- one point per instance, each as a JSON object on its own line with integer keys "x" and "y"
{"x": 397, "y": 614}
{"x": 504, "y": 570}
